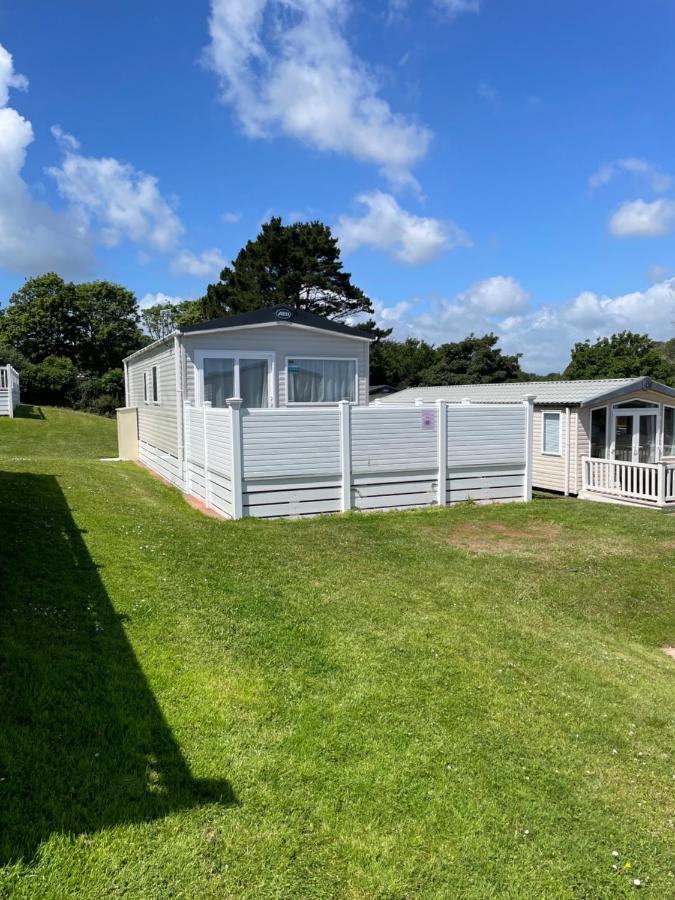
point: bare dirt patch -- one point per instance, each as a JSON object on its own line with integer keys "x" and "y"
{"x": 494, "y": 537}
{"x": 669, "y": 651}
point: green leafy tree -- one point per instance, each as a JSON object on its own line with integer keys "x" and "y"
{"x": 623, "y": 355}
{"x": 95, "y": 325}
{"x": 474, "y": 360}
{"x": 163, "y": 318}
{"x": 400, "y": 363}
{"x": 40, "y": 320}
{"x": 298, "y": 265}
{"x": 108, "y": 326}
{"x": 49, "y": 381}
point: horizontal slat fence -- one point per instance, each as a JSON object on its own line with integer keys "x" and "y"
{"x": 295, "y": 462}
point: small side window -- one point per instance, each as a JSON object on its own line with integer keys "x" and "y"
{"x": 145, "y": 387}
{"x": 155, "y": 384}
{"x": 550, "y": 438}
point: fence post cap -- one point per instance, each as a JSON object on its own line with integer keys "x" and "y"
{"x": 234, "y": 402}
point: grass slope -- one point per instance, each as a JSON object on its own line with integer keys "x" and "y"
{"x": 467, "y": 702}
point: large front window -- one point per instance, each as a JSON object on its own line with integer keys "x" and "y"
{"x": 321, "y": 380}
{"x": 235, "y": 375}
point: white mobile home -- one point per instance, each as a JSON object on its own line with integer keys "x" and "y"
{"x": 610, "y": 439}
{"x": 266, "y": 414}
{"x": 9, "y": 390}
{"x": 270, "y": 358}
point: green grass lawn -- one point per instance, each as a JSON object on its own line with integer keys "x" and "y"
{"x": 444, "y": 703}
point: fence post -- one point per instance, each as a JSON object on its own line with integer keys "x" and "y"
{"x": 528, "y": 401}
{"x": 206, "y": 405}
{"x": 661, "y": 484}
{"x": 442, "y": 423}
{"x": 234, "y": 404}
{"x": 345, "y": 413}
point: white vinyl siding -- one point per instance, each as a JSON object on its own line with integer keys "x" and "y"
{"x": 157, "y": 422}
{"x": 548, "y": 470}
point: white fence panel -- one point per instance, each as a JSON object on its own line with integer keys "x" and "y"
{"x": 290, "y": 442}
{"x": 298, "y": 462}
{"x": 480, "y": 435}
{"x": 386, "y": 439}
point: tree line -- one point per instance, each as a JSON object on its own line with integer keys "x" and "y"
{"x": 68, "y": 340}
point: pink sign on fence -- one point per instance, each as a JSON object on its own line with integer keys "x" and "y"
{"x": 428, "y": 420}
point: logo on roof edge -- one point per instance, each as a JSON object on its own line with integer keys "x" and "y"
{"x": 284, "y": 313}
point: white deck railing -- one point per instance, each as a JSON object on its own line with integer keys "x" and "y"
{"x": 647, "y": 482}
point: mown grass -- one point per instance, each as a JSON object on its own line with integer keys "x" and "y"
{"x": 443, "y": 703}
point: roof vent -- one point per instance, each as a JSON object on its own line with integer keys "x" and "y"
{"x": 647, "y": 383}
{"x": 284, "y": 313}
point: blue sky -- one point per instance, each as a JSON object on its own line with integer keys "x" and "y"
{"x": 487, "y": 165}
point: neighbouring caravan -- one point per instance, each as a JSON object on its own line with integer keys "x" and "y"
{"x": 9, "y": 390}
{"x": 608, "y": 439}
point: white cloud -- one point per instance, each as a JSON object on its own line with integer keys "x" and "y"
{"x": 33, "y": 237}
{"x": 286, "y": 65}
{"x": 487, "y": 91}
{"x": 545, "y": 334}
{"x": 231, "y": 218}
{"x": 123, "y": 201}
{"x": 638, "y": 218}
{"x": 385, "y": 225}
{"x": 456, "y": 7}
{"x": 149, "y": 300}
{"x": 208, "y": 264}
{"x": 658, "y": 180}
{"x": 8, "y": 77}
{"x": 500, "y": 295}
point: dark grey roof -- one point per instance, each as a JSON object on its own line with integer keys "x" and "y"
{"x": 282, "y": 315}
{"x": 572, "y": 393}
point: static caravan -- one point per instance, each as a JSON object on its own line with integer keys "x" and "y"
{"x": 603, "y": 439}
{"x": 9, "y": 390}
{"x": 271, "y": 358}
{"x": 267, "y": 414}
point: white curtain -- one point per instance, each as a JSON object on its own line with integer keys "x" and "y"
{"x": 551, "y": 433}
{"x": 321, "y": 380}
{"x": 253, "y": 382}
{"x": 218, "y": 380}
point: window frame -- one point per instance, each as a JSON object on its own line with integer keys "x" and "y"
{"x": 149, "y": 396}
{"x": 353, "y": 359}
{"x": 236, "y": 355}
{"x": 608, "y": 429}
{"x": 551, "y": 412}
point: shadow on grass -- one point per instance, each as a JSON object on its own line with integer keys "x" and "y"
{"x": 24, "y": 411}
{"x": 83, "y": 743}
